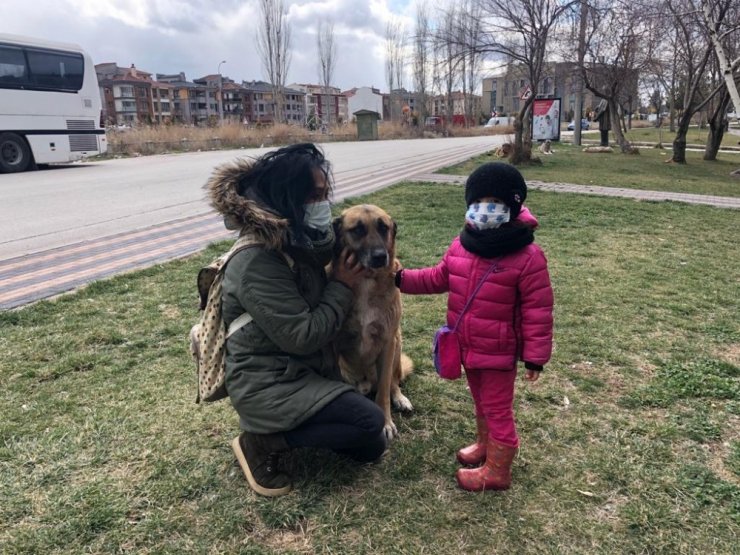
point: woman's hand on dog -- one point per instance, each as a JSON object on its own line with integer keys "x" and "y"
{"x": 348, "y": 270}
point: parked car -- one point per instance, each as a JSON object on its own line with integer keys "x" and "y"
{"x": 498, "y": 120}
{"x": 585, "y": 124}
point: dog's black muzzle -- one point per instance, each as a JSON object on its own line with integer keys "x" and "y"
{"x": 377, "y": 258}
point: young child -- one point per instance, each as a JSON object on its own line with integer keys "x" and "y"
{"x": 509, "y": 319}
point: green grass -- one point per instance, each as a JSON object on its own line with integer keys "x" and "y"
{"x": 646, "y": 171}
{"x": 102, "y": 449}
{"x": 696, "y": 136}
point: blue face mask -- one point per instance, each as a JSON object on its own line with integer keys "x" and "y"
{"x": 487, "y": 215}
{"x": 317, "y": 215}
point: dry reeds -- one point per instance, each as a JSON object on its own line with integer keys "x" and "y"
{"x": 161, "y": 139}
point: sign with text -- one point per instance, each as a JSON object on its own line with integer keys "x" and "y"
{"x": 546, "y": 119}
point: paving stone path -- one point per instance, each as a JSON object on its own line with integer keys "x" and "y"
{"x": 711, "y": 200}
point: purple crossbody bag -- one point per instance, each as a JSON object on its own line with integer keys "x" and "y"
{"x": 447, "y": 354}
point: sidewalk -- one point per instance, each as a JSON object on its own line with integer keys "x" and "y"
{"x": 637, "y": 194}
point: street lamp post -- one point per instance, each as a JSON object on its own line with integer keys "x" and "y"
{"x": 220, "y": 94}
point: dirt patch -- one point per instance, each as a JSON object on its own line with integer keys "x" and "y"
{"x": 293, "y": 541}
{"x": 729, "y": 353}
{"x": 718, "y": 454}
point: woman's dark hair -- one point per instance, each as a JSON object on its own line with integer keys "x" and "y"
{"x": 285, "y": 178}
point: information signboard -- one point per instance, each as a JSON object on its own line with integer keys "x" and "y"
{"x": 546, "y": 119}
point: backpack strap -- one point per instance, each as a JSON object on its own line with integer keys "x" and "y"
{"x": 241, "y": 244}
{"x": 238, "y": 323}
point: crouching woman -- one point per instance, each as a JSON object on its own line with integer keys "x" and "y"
{"x": 281, "y": 372}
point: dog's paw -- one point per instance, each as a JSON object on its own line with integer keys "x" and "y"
{"x": 402, "y": 403}
{"x": 390, "y": 430}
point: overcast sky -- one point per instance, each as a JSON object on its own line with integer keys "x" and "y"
{"x": 169, "y": 36}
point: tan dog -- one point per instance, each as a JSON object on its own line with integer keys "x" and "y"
{"x": 369, "y": 343}
{"x": 503, "y": 151}
{"x": 546, "y": 147}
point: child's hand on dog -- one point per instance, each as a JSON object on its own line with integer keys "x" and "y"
{"x": 348, "y": 271}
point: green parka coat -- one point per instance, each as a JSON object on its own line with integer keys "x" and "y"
{"x": 280, "y": 368}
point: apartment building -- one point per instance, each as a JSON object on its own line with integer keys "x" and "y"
{"x": 460, "y": 104}
{"x": 399, "y": 105}
{"x": 236, "y": 102}
{"x": 325, "y": 105}
{"x": 261, "y": 106}
{"x": 126, "y": 94}
{"x": 182, "y": 92}
{"x": 502, "y": 92}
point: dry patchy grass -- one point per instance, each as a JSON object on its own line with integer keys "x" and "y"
{"x": 629, "y": 440}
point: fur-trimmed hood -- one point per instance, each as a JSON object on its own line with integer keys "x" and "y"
{"x": 242, "y": 213}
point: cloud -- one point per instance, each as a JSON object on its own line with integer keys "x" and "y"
{"x": 169, "y": 36}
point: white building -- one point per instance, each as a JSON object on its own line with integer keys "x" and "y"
{"x": 364, "y": 98}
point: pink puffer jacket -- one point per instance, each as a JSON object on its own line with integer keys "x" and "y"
{"x": 510, "y": 318}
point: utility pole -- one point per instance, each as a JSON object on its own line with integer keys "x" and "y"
{"x": 220, "y": 94}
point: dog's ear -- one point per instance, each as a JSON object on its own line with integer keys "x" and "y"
{"x": 338, "y": 239}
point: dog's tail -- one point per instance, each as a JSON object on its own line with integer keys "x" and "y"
{"x": 407, "y": 366}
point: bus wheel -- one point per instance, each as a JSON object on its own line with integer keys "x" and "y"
{"x": 15, "y": 156}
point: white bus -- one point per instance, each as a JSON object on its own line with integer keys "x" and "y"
{"x": 50, "y": 108}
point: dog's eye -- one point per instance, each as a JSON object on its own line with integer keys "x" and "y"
{"x": 382, "y": 228}
{"x": 358, "y": 231}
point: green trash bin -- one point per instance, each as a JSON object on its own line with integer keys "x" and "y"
{"x": 367, "y": 125}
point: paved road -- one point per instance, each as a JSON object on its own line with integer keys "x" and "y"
{"x": 63, "y": 227}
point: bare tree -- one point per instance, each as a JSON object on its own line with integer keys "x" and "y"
{"x": 469, "y": 29}
{"x": 395, "y": 41}
{"x": 327, "y": 60}
{"x": 519, "y": 31}
{"x": 578, "y": 108}
{"x": 694, "y": 54}
{"x": 724, "y": 70}
{"x": 448, "y": 50}
{"x": 713, "y": 17}
{"x": 421, "y": 64}
{"x": 618, "y": 47}
{"x": 273, "y": 46}
{"x": 716, "y": 123}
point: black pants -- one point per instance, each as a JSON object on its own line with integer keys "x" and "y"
{"x": 351, "y": 424}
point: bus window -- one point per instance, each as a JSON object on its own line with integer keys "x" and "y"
{"x": 54, "y": 70}
{"x": 12, "y": 67}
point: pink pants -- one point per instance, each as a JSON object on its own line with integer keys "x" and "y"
{"x": 493, "y": 394}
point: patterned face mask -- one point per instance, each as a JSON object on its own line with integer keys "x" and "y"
{"x": 487, "y": 215}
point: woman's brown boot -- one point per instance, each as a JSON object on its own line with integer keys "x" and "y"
{"x": 258, "y": 455}
{"x": 475, "y": 454}
{"x": 495, "y": 474}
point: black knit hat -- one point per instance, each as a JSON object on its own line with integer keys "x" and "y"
{"x": 496, "y": 179}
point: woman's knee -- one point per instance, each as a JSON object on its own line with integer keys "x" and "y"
{"x": 367, "y": 452}
{"x": 375, "y": 421}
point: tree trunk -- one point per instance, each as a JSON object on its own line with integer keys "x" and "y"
{"x": 714, "y": 140}
{"x": 679, "y": 143}
{"x": 679, "y": 146}
{"x": 717, "y": 122}
{"x": 521, "y": 150}
{"x": 616, "y": 125}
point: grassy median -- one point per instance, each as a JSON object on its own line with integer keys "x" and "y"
{"x": 646, "y": 171}
{"x": 630, "y": 441}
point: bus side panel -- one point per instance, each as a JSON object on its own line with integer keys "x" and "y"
{"x": 49, "y": 149}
